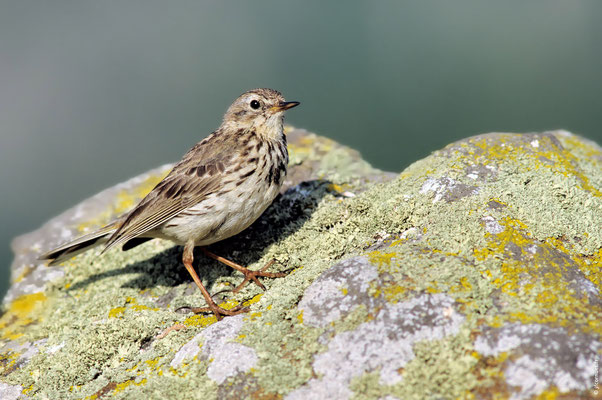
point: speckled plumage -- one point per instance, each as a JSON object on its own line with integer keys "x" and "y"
{"x": 219, "y": 188}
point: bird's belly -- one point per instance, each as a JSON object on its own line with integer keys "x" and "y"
{"x": 221, "y": 215}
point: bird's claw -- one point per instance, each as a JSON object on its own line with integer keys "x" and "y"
{"x": 218, "y": 311}
{"x": 251, "y": 275}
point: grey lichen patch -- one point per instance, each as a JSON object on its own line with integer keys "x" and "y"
{"x": 187, "y": 352}
{"x": 10, "y": 392}
{"x": 19, "y": 353}
{"x": 226, "y": 358}
{"x": 480, "y": 172}
{"x": 447, "y": 189}
{"x": 384, "y": 344}
{"x": 440, "y": 369}
{"x": 543, "y": 357}
{"x": 338, "y": 291}
{"x": 34, "y": 280}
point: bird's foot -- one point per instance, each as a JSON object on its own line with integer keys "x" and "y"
{"x": 251, "y": 275}
{"x": 216, "y": 310}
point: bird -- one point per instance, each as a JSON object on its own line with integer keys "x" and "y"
{"x": 218, "y": 189}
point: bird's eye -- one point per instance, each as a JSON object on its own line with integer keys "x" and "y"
{"x": 255, "y": 104}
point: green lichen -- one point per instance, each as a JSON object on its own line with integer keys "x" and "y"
{"x": 104, "y": 310}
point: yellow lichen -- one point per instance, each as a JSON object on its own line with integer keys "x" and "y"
{"x": 379, "y": 258}
{"x": 117, "y": 311}
{"x": 573, "y": 142}
{"x": 548, "y": 394}
{"x": 254, "y": 315}
{"x": 394, "y": 293}
{"x": 558, "y": 160}
{"x": 200, "y": 320}
{"x": 152, "y": 363}
{"x": 7, "y": 362}
{"x": 229, "y": 304}
{"x": 253, "y": 300}
{"x": 123, "y": 385}
{"x": 27, "y": 389}
{"x": 462, "y": 286}
{"x": 21, "y": 312}
{"x": 532, "y": 272}
{"x": 141, "y": 307}
{"x": 145, "y": 368}
{"x": 432, "y": 290}
{"x": 336, "y": 188}
{"x": 131, "y": 302}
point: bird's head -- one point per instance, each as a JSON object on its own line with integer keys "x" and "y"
{"x": 261, "y": 110}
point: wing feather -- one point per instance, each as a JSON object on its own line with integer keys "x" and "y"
{"x": 200, "y": 173}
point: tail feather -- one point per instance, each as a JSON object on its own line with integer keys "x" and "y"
{"x": 79, "y": 245}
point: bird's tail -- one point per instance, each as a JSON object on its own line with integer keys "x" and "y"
{"x": 79, "y": 245}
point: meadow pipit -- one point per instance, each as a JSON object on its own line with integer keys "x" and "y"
{"x": 219, "y": 188}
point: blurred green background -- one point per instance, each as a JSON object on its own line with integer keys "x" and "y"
{"x": 95, "y": 92}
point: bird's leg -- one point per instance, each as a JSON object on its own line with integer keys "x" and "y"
{"x": 187, "y": 258}
{"x": 249, "y": 274}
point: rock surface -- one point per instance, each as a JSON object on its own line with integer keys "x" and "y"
{"x": 475, "y": 273}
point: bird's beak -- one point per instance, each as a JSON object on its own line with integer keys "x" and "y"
{"x": 284, "y": 105}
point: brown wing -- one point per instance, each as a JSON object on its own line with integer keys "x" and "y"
{"x": 199, "y": 174}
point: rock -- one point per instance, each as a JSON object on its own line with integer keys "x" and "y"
{"x": 473, "y": 273}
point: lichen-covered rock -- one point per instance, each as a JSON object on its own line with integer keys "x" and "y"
{"x": 475, "y": 273}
